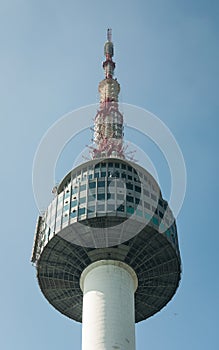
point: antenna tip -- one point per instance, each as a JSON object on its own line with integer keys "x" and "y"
{"x": 109, "y": 34}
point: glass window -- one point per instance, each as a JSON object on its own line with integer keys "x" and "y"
{"x": 91, "y": 209}
{"x": 160, "y": 202}
{"x": 81, "y": 211}
{"x": 66, "y": 207}
{"x": 115, "y": 174}
{"x": 153, "y": 188}
{"x": 92, "y": 184}
{"x": 139, "y": 212}
{"x": 101, "y": 196}
{"x": 120, "y": 184}
{"x": 147, "y": 216}
{"x": 75, "y": 189}
{"x": 67, "y": 194}
{"x": 129, "y": 168}
{"x": 129, "y": 186}
{"x": 129, "y": 177}
{"x": 82, "y": 200}
{"x": 147, "y": 205}
{"x": 120, "y": 197}
{"x": 103, "y": 173}
{"x": 146, "y": 193}
{"x": 168, "y": 233}
{"x": 92, "y": 198}
{"x": 101, "y": 207}
{"x": 110, "y": 195}
{"x": 123, "y": 166}
{"x": 155, "y": 220}
{"x": 101, "y": 184}
{"x": 74, "y": 203}
{"x": 138, "y": 201}
{"x": 73, "y": 214}
{"x": 130, "y": 199}
{"x": 65, "y": 219}
{"x": 96, "y": 175}
{"x": 121, "y": 208}
{"x": 110, "y": 207}
{"x": 153, "y": 197}
{"x": 82, "y": 187}
{"x": 138, "y": 189}
{"x": 130, "y": 210}
{"x": 116, "y": 165}
{"x": 110, "y": 165}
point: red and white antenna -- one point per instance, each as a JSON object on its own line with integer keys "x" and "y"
{"x": 108, "y": 124}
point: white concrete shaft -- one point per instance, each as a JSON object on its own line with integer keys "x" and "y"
{"x": 108, "y": 320}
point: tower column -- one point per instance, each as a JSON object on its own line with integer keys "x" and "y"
{"x": 108, "y": 319}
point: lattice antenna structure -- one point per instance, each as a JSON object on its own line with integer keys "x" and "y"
{"x": 108, "y": 123}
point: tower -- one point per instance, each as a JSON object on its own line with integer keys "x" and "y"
{"x": 106, "y": 249}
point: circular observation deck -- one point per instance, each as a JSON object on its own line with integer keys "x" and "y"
{"x": 107, "y": 209}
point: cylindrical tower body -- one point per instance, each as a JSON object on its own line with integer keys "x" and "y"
{"x": 108, "y": 306}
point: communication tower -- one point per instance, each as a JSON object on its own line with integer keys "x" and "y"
{"x": 106, "y": 249}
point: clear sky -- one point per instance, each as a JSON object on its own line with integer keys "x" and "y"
{"x": 167, "y": 62}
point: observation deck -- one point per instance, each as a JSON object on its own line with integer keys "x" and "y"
{"x": 107, "y": 209}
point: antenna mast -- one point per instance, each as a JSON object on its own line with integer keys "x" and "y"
{"x": 109, "y": 34}
{"x": 108, "y": 123}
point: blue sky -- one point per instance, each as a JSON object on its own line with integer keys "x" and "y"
{"x": 167, "y": 62}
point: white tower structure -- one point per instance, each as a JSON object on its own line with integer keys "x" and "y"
{"x": 108, "y": 306}
{"x": 106, "y": 249}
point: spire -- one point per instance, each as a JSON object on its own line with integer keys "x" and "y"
{"x": 108, "y": 124}
{"x": 109, "y": 34}
{"x": 109, "y": 65}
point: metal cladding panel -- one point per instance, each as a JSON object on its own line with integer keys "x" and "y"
{"x": 150, "y": 255}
